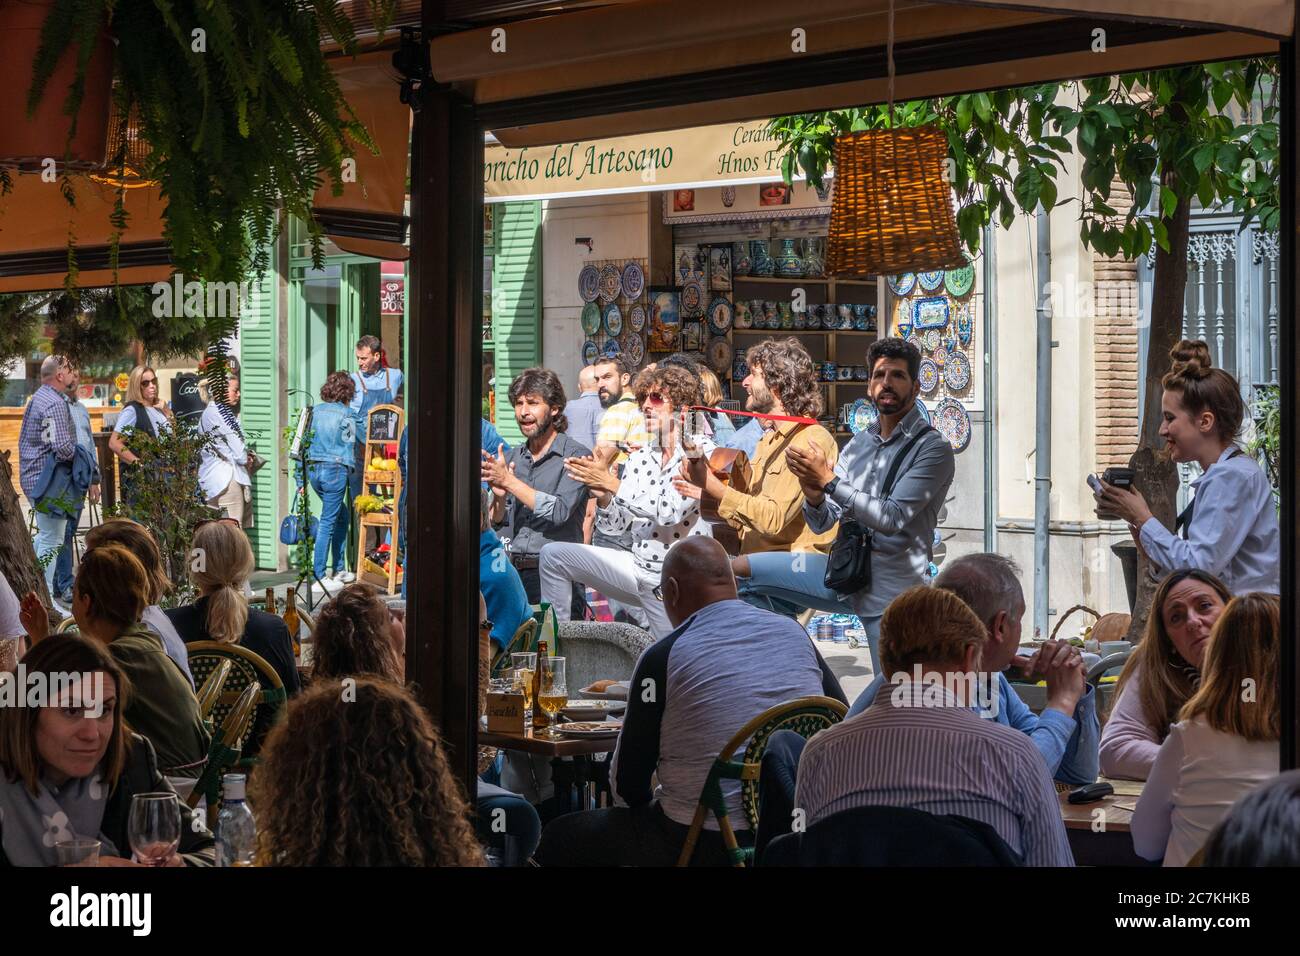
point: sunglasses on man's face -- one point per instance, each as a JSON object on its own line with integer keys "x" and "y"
{"x": 654, "y": 398}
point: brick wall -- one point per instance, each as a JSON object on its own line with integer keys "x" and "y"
{"x": 1115, "y": 350}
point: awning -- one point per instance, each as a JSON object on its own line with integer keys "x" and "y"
{"x": 659, "y": 40}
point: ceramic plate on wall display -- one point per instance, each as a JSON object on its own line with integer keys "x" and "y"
{"x": 930, "y": 339}
{"x": 925, "y": 412}
{"x": 965, "y": 323}
{"x": 693, "y": 297}
{"x": 941, "y": 357}
{"x": 591, "y": 318}
{"x": 953, "y": 423}
{"x": 612, "y": 348}
{"x": 930, "y": 281}
{"x": 610, "y": 283}
{"x": 862, "y": 415}
{"x": 956, "y": 372}
{"x": 633, "y": 280}
{"x": 589, "y": 283}
{"x": 928, "y": 376}
{"x": 915, "y": 340}
{"x": 719, "y": 355}
{"x": 613, "y": 319}
{"x": 634, "y": 348}
{"x": 932, "y": 312}
{"x": 590, "y": 352}
{"x": 636, "y": 317}
{"x": 720, "y": 316}
{"x": 958, "y": 282}
{"x": 904, "y": 284}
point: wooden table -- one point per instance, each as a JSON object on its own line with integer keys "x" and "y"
{"x": 1111, "y": 846}
{"x": 571, "y": 766}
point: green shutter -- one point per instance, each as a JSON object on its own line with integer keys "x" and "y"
{"x": 516, "y": 301}
{"x": 260, "y": 388}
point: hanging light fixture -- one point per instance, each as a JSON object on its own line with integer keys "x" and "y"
{"x": 130, "y": 174}
{"x": 891, "y": 210}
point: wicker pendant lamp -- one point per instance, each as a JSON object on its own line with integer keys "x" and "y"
{"x": 891, "y": 210}
{"x": 130, "y": 175}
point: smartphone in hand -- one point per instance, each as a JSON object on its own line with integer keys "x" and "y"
{"x": 1094, "y": 483}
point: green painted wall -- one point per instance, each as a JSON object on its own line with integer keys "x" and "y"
{"x": 261, "y": 388}
{"x": 516, "y": 301}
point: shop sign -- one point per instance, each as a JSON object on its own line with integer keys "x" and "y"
{"x": 392, "y": 295}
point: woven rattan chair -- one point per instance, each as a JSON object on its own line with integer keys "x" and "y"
{"x": 805, "y": 716}
{"x": 525, "y": 639}
{"x": 212, "y": 688}
{"x": 224, "y": 752}
{"x": 247, "y": 668}
{"x": 69, "y": 623}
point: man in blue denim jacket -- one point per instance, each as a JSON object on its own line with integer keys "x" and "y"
{"x": 1067, "y": 732}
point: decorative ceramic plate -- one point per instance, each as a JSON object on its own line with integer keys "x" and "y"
{"x": 930, "y": 339}
{"x": 930, "y": 281}
{"x": 932, "y": 312}
{"x": 915, "y": 340}
{"x": 956, "y": 373}
{"x": 612, "y": 348}
{"x": 965, "y": 324}
{"x": 953, "y": 423}
{"x": 591, "y": 318}
{"x": 719, "y": 355}
{"x": 633, "y": 280}
{"x": 925, "y": 412}
{"x": 635, "y": 350}
{"x": 589, "y": 283}
{"x": 720, "y": 316}
{"x": 693, "y": 297}
{"x": 862, "y": 416}
{"x": 928, "y": 376}
{"x": 941, "y": 357}
{"x": 590, "y": 352}
{"x": 613, "y": 319}
{"x": 958, "y": 282}
{"x": 610, "y": 283}
{"x": 904, "y": 284}
{"x": 636, "y": 317}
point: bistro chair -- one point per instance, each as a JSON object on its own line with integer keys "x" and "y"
{"x": 1106, "y": 691}
{"x": 211, "y": 689}
{"x": 525, "y": 639}
{"x": 247, "y": 668}
{"x": 805, "y": 716}
{"x": 225, "y": 749}
{"x": 69, "y": 623}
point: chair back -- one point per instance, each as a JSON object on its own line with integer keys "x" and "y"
{"x": 804, "y": 716}
{"x": 891, "y": 836}
{"x": 69, "y": 623}
{"x": 247, "y": 667}
{"x": 212, "y": 687}
{"x": 524, "y": 639}
{"x": 224, "y": 751}
{"x": 600, "y": 650}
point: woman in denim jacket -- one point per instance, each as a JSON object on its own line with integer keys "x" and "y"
{"x": 330, "y": 461}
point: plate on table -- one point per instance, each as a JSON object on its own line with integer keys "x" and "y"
{"x": 958, "y": 282}
{"x": 613, "y": 319}
{"x": 590, "y": 352}
{"x": 636, "y": 317}
{"x": 719, "y": 355}
{"x": 902, "y": 285}
{"x": 589, "y": 283}
{"x": 591, "y": 318}
{"x": 633, "y": 280}
{"x": 928, "y": 376}
{"x": 693, "y": 297}
{"x": 932, "y": 312}
{"x": 592, "y": 709}
{"x": 952, "y": 421}
{"x": 614, "y": 691}
{"x": 610, "y": 283}
{"x": 634, "y": 348}
{"x": 591, "y": 728}
{"x": 956, "y": 373}
{"x": 720, "y": 316}
{"x": 930, "y": 281}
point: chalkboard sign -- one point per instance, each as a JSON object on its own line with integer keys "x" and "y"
{"x": 385, "y": 424}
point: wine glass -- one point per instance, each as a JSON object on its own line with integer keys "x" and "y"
{"x": 523, "y": 664}
{"x": 154, "y": 827}
{"x": 552, "y": 692}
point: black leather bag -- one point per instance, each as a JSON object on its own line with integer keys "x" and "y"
{"x": 848, "y": 566}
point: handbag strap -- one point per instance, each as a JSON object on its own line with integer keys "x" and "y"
{"x": 897, "y": 463}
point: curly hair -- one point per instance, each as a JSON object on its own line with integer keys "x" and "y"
{"x": 338, "y": 387}
{"x": 676, "y": 384}
{"x": 788, "y": 371}
{"x": 381, "y": 791}
{"x": 352, "y": 637}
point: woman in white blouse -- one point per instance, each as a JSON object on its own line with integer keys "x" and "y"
{"x": 1226, "y": 741}
{"x": 1230, "y": 528}
{"x": 223, "y": 467}
{"x": 644, "y": 502}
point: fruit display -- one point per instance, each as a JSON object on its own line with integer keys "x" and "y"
{"x": 371, "y": 504}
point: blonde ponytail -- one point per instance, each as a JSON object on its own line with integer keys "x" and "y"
{"x": 223, "y": 562}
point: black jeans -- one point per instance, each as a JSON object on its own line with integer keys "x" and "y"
{"x": 627, "y": 836}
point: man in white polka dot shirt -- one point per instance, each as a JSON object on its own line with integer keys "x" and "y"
{"x": 643, "y": 502}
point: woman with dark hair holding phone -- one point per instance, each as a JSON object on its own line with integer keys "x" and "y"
{"x": 1230, "y": 528}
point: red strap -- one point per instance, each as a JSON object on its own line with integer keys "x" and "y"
{"x": 770, "y": 418}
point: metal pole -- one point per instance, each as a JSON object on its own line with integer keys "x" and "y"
{"x": 1043, "y": 429}
{"x": 988, "y": 327}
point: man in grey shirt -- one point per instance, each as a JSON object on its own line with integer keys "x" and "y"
{"x": 584, "y": 411}
{"x": 725, "y": 663}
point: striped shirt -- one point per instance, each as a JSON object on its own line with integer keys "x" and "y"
{"x": 941, "y": 758}
{"x": 623, "y": 425}
{"x": 47, "y": 429}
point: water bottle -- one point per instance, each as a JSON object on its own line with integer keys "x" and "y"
{"x": 236, "y": 832}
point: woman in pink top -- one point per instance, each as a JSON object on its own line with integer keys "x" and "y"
{"x": 1163, "y": 673}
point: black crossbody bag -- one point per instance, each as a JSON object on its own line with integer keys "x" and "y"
{"x": 848, "y": 566}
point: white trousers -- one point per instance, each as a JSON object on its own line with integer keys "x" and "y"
{"x": 613, "y": 573}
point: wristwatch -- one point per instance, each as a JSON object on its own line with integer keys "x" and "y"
{"x": 828, "y": 489}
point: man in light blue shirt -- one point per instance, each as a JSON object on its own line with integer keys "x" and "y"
{"x": 1067, "y": 732}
